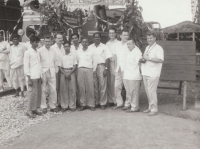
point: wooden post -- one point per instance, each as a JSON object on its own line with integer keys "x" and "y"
{"x": 178, "y": 36}
{"x": 184, "y": 94}
{"x": 180, "y": 87}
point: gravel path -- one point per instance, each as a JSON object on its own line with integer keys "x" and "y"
{"x": 111, "y": 129}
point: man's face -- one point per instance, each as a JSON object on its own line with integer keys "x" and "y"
{"x": 47, "y": 42}
{"x": 151, "y": 39}
{"x": 75, "y": 39}
{"x": 59, "y": 39}
{"x": 112, "y": 34}
{"x": 130, "y": 45}
{"x": 85, "y": 43}
{"x": 67, "y": 47}
{"x": 124, "y": 36}
{"x": 35, "y": 44}
{"x": 97, "y": 39}
{"x": 15, "y": 41}
{"x": 1, "y": 37}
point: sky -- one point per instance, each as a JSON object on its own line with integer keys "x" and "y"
{"x": 166, "y": 12}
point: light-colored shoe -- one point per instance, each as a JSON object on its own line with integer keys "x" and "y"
{"x": 146, "y": 111}
{"x": 152, "y": 113}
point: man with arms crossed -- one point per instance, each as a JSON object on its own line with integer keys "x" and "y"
{"x": 151, "y": 70}
{"x": 48, "y": 63}
{"x": 101, "y": 60}
{"x": 113, "y": 44}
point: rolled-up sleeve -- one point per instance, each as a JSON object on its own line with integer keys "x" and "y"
{"x": 26, "y": 63}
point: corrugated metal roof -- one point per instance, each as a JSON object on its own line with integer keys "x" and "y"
{"x": 183, "y": 27}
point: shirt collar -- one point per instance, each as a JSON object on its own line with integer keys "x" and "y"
{"x": 56, "y": 46}
{"x": 97, "y": 46}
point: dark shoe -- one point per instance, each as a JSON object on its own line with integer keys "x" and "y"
{"x": 55, "y": 110}
{"x": 22, "y": 94}
{"x": 92, "y": 108}
{"x": 30, "y": 114}
{"x": 16, "y": 95}
{"x": 125, "y": 108}
{"x": 44, "y": 110}
{"x": 73, "y": 109}
{"x": 36, "y": 112}
{"x": 103, "y": 107}
{"x": 110, "y": 104}
{"x": 116, "y": 107}
{"x": 131, "y": 111}
{"x": 63, "y": 109}
{"x": 82, "y": 108}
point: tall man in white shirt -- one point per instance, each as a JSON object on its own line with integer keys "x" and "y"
{"x": 33, "y": 71}
{"x": 85, "y": 76}
{"x": 113, "y": 44}
{"x": 59, "y": 49}
{"x": 4, "y": 61}
{"x": 101, "y": 61}
{"x": 17, "y": 76}
{"x": 48, "y": 63}
{"x": 121, "y": 53}
{"x": 68, "y": 79}
{"x": 132, "y": 77}
{"x": 151, "y": 70}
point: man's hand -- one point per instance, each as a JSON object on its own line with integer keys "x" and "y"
{"x": 105, "y": 73}
{"x": 68, "y": 76}
{"x": 146, "y": 57}
{"x": 30, "y": 83}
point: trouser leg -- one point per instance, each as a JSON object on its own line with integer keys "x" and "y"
{"x": 118, "y": 87}
{"x": 64, "y": 91}
{"x": 146, "y": 89}
{"x": 111, "y": 83}
{"x": 96, "y": 88}
{"x": 7, "y": 76}
{"x": 1, "y": 78}
{"x": 58, "y": 75}
{"x": 33, "y": 95}
{"x": 134, "y": 92}
{"x": 21, "y": 77}
{"x": 82, "y": 86}
{"x": 77, "y": 89}
{"x": 72, "y": 91}
{"x": 102, "y": 85}
{"x": 44, "y": 91}
{"x": 152, "y": 84}
{"x": 128, "y": 93}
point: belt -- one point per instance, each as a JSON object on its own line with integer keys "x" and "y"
{"x": 85, "y": 67}
{"x": 67, "y": 68}
{"x": 102, "y": 64}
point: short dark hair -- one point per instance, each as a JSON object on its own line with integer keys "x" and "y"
{"x": 85, "y": 38}
{"x": 75, "y": 34}
{"x": 15, "y": 36}
{"x": 132, "y": 40}
{"x": 152, "y": 33}
{"x": 47, "y": 37}
{"x": 34, "y": 39}
{"x": 58, "y": 34}
{"x": 97, "y": 33}
{"x": 67, "y": 42}
{"x": 113, "y": 29}
{"x": 124, "y": 30}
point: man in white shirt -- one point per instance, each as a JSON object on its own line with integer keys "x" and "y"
{"x": 59, "y": 49}
{"x": 85, "y": 76}
{"x": 101, "y": 61}
{"x": 4, "y": 62}
{"x": 68, "y": 80}
{"x": 17, "y": 76}
{"x": 132, "y": 77}
{"x": 74, "y": 48}
{"x": 48, "y": 63}
{"x": 151, "y": 70}
{"x": 113, "y": 44}
{"x": 121, "y": 54}
{"x": 33, "y": 71}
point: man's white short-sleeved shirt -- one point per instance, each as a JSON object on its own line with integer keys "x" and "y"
{"x": 113, "y": 46}
{"x": 150, "y": 68}
{"x": 132, "y": 68}
{"x": 85, "y": 58}
{"x": 101, "y": 53}
{"x": 68, "y": 60}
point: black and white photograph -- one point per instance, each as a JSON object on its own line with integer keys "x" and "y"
{"x": 99, "y": 74}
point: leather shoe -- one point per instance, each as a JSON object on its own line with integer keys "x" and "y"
{"x": 131, "y": 111}
{"x": 44, "y": 110}
{"x": 116, "y": 107}
{"x": 63, "y": 109}
{"x": 73, "y": 109}
{"x": 146, "y": 111}
{"x": 82, "y": 108}
{"x": 30, "y": 114}
{"x": 55, "y": 110}
{"x": 103, "y": 107}
{"x": 152, "y": 113}
{"x": 125, "y": 108}
{"x": 92, "y": 108}
{"x": 110, "y": 104}
{"x": 36, "y": 112}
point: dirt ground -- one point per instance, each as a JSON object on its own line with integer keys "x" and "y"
{"x": 172, "y": 128}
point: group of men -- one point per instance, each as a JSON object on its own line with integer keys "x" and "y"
{"x": 62, "y": 76}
